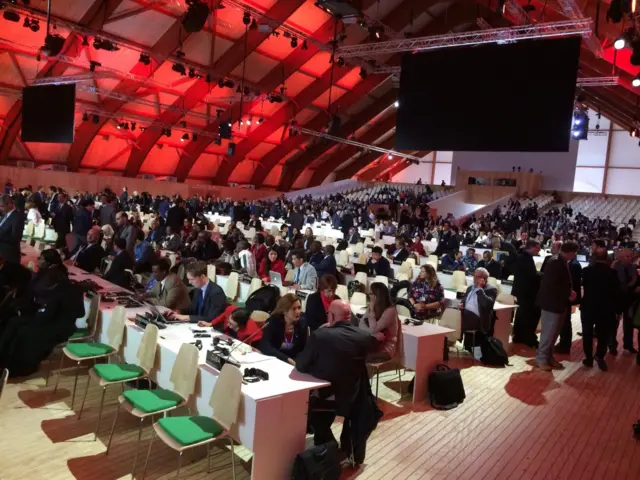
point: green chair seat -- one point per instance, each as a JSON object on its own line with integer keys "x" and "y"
{"x": 79, "y": 333}
{"x": 117, "y": 372}
{"x": 237, "y": 304}
{"x": 89, "y": 349}
{"x": 190, "y": 430}
{"x": 150, "y": 401}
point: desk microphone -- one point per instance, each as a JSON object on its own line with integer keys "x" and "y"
{"x": 217, "y": 360}
{"x": 248, "y": 338}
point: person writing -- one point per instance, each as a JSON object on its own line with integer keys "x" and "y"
{"x": 284, "y": 337}
{"x": 271, "y": 263}
{"x": 383, "y": 323}
{"x": 427, "y": 294}
{"x": 237, "y": 323}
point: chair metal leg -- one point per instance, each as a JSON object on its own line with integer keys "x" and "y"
{"x": 104, "y": 390}
{"x": 209, "y": 457}
{"x": 113, "y": 428}
{"x": 75, "y": 385}
{"x": 179, "y": 465}
{"x": 55, "y": 389}
{"x": 135, "y": 459}
{"x": 146, "y": 462}
{"x": 377, "y": 381}
{"x": 233, "y": 462}
{"x": 400, "y": 380}
{"x": 49, "y": 368}
{"x": 84, "y": 397}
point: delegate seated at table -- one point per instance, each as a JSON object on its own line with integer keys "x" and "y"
{"x": 89, "y": 257}
{"x": 168, "y": 290}
{"x": 305, "y": 276}
{"x": 208, "y": 300}
{"x": 121, "y": 261}
{"x": 378, "y": 265}
{"x": 285, "y": 337}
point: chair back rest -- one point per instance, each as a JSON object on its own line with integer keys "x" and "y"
{"x": 362, "y": 258}
{"x": 402, "y": 293}
{"x": 343, "y": 258}
{"x": 381, "y": 279}
{"x": 259, "y": 316}
{"x": 39, "y": 229}
{"x": 211, "y": 272}
{"x": 50, "y": 235}
{"x": 147, "y": 348}
{"x": 256, "y": 283}
{"x": 451, "y": 318}
{"x": 92, "y": 318}
{"x": 173, "y": 258}
{"x": 226, "y": 396}
{"x": 402, "y": 277}
{"x": 185, "y": 370}
{"x": 359, "y": 247}
{"x": 404, "y": 311}
{"x": 459, "y": 280}
{"x": 232, "y": 285}
{"x": 362, "y": 278}
{"x": 4, "y": 375}
{"x": 358, "y": 298}
{"x": 288, "y": 276}
{"x": 115, "y": 332}
{"x": 28, "y": 229}
{"x": 343, "y": 292}
{"x": 411, "y": 262}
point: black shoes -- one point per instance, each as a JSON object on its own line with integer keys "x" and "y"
{"x": 638, "y": 359}
{"x": 562, "y": 350}
{"x": 613, "y": 350}
{"x": 630, "y": 349}
{"x": 602, "y": 365}
{"x": 588, "y": 362}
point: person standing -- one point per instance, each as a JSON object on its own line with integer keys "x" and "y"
{"x": 62, "y": 219}
{"x": 11, "y": 227}
{"x": 526, "y": 283}
{"x": 556, "y": 291}
{"x": 627, "y": 277}
{"x": 600, "y": 304}
{"x": 566, "y": 332}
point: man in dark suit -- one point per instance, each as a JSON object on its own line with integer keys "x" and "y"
{"x": 296, "y": 220}
{"x": 122, "y": 261}
{"x": 600, "y": 304}
{"x": 489, "y": 264}
{"x": 477, "y": 309}
{"x": 566, "y": 331}
{"x": 89, "y": 257}
{"x": 255, "y": 223}
{"x": 526, "y": 283}
{"x": 11, "y": 227}
{"x": 353, "y": 237}
{"x": 445, "y": 241}
{"x": 208, "y": 301}
{"x": 62, "y": 219}
{"x": 176, "y": 216}
{"x": 377, "y": 264}
{"x": 327, "y": 266}
{"x": 556, "y": 291}
{"x": 335, "y": 353}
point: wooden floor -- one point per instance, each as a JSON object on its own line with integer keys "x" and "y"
{"x": 516, "y": 423}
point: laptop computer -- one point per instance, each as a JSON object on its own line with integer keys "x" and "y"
{"x": 359, "y": 267}
{"x": 275, "y": 278}
{"x": 159, "y": 316}
{"x": 581, "y": 258}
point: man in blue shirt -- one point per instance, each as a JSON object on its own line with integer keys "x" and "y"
{"x": 143, "y": 254}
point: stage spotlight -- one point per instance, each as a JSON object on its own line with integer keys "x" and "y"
{"x": 620, "y": 43}
{"x": 52, "y": 45}
{"x": 194, "y": 137}
{"x": 11, "y": 16}
{"x": 580, "y": 125}
{"x": 254, "y": 25}
{"x": 85, "y": 41}
{"x": 260, "y": 120}
{"x": 179, "y": 68}
{"x": 221, "y": 82}
{"x": 192, "y": 73}
{"x": 617, "y": 10}
{"x": 133, "y": 126}
{"x": 363, "y": 73}
{"x": 636, "y": 81}
{"x": 304, "y": 45}
{"x": 184, "y": 137}
{"x": 95, "y": 119}
{"x": 246, "y": 18}
{"x": 120, "y": 125}
{"x": 126, "y": 125}
{"x": 396, "y": 104}
{"x": 85, "y": 117}
{"x": 103, "y": 44}
{"x": 229, "y": 84}
{"x": 340, "y": 62}
{"x": 144, "y": 59}
{"x": 389, "y": 157}
{"x": 167, "y": 132}
{"x": 93, "y": 64}
{"x": 294, "y": 42}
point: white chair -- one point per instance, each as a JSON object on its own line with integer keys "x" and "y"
{"x": 233, "y": 284}
{"x": 343, "y": 292}
{"x": 403, "y": 311}
{"x": 38, "y": 231}
{"x": 382, "y": 279}
{"x": 4, "y": 375}
{"x": 402, "y": 277}
{"x": 259, "y": 316}
{"x": 459, "y": 280}
{"x": 225, "y": 402}
{"x": 256, "y": 283}
{"x": 358, "y": 298}
{"x": 211, "y": 272}
{"x": 362, "y": 278}
{"x": 451, "y": 319}
{"x": 343, "y": 258}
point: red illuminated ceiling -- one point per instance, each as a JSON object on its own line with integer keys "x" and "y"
{"x": 312, "y": 91}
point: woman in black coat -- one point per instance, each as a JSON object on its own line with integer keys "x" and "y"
{"x": 27, "y": 340}
{"x": 318, "y": 302}
{"x": 285, "y": 337}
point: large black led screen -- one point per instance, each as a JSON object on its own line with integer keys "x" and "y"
{"x": 48, "y": 113}
{"x": 516, "y": 97}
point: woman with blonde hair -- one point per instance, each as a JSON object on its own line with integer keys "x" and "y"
{"x": 285, "y": 337}
{"x": 427, "y": 294}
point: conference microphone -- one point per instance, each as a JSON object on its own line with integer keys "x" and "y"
{"x": 217, "y": 361}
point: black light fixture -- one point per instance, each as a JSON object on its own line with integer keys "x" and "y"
{"x": 126, "y": 125}
{"x": 580, "y": 125}
{"x": 192, "y": 73}
{"x": 229, "y": 84}
{"x": 95, "y": 119}
{"x": 294, "y": 42}
{"x": 93, "y": 64}
{"x": 11, "y": 16}
{"x": 144, "y": 59}
{"x": 133, "y": 126}
{"x": 254, "y": 25}
{"x": 246, "y": 18}
{"x": 196, "y": 16}
{"x": 120, "y": 125}
{"x": 617, "y": 10}
{"x": 53, "y": 45}
{"x": 340, "y": 62}
{"x": 260, "y": 120}
{"x": 194, "y": 137}
{"x": 85, "y": 41}
{"x": 208, "y": 78}
{"x": 104, "y": 44}
{"x": 85, "y": 117}
{"x": 179, "y": 68}
{"x": 636, "y": 81}
{"x": 221, "y": 82}
{"x": 167, "y": 132}
{"x": 184, "y": 137}
{"x": 249, "y": 121}
{"x": 363, "y": 73}
{"x": 304, "y": 45}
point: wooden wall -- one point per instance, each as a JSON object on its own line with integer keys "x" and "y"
{"x": 526, "y": 183}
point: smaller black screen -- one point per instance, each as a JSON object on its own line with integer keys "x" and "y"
{"x": 48, "y": 113}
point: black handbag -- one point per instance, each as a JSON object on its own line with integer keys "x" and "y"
{"x": 446, "y": 390}
{"x": 318, "y": 463}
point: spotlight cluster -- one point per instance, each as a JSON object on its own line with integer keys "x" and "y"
{"x": 580, "y": 125}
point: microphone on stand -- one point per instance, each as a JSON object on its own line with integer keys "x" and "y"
{"x": 217, "y": 360}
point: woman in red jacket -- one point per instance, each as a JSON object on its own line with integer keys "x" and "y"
{"x": 271, "y": 263}
{"x": 237, "y": 323}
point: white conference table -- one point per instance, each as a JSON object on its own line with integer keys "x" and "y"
{"x": 273, "y": 414}
{"x": 423, "y": 349}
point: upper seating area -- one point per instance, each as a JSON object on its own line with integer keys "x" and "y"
{"x": 619, "y": 210}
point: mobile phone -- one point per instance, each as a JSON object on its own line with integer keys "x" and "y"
{"x": 202, "y": 335}
{"x": 251, "y": 379}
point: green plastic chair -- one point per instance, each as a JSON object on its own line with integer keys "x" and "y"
{"x": 183, "y": 433}
{"x": 159, "y": 401}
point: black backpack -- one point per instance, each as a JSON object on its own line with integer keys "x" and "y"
{"x": 446, "y": 390}
{"x": 318, "y": 463}
{"x": 493, "y": 353}
{"x": 399, "y": 286}
{"x": 264, "y": 299}
{"x": 355, "y": 286}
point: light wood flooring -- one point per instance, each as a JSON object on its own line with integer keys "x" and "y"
{"x": 516, "y": 423}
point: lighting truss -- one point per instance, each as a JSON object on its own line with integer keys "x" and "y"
{"x": 496, "y": 35}
{"x": 571, "y": 10}
{"x": 598, "y": 81}
{"x": 62, "y": 80}
{"x": 483, "y": 24}
{"x": 364, "y": 146}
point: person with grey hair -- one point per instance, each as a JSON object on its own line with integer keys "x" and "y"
{"x": 477, "y": 309}
{"x": 89, "y": 257}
